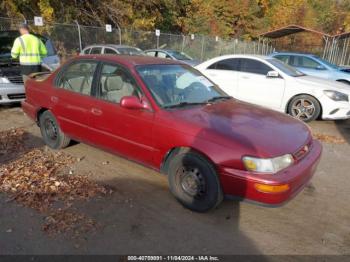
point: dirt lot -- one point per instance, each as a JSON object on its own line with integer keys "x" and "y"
{"x": 141, "y": 216}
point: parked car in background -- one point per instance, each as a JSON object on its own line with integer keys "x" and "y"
{"x": 271, "y": 83}
{"x": 172, "y": 54}
{"x": 315, "y": 66}
{"x": 112, "y": 50}
{"x": 11, "y": 82}
{"x": 167, "y": 115}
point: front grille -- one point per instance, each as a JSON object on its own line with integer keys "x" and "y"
{"x": 16, "y": 96}
{"x": 15, "y": 79}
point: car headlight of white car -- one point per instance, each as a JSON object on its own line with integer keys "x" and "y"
{"x": 4, "y": 80}
{"x": 267, "y": 165}
{"x": 336, "y": 96}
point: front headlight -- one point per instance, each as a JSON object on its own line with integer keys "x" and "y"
{"x": 336, "y": 96}
{"x": 267, "y": 165}
{"x": 4, "y": 80}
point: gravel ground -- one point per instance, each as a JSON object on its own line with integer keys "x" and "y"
{"x": 141, "y": 216}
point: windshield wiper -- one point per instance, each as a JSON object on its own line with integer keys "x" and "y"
{"x": 182, "y": 104}
{"x": 215, "y": 98}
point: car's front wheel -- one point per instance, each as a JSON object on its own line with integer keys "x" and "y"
{"x": 51, "y": 132}
{"x": 305, "y": 108}
{"x": 194, "y": 182}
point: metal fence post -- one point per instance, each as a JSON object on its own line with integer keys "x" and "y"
{"x": 202, "y": 50}
{"x": 79, "y": 34}
{"x": 120, "y": 33}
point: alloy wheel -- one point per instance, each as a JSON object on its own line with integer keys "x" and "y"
{"x": 303, "y": 109}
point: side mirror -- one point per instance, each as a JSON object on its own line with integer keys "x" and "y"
{"x": 319, "y": 67}
{"x": 273, "y": 74}
{"x": 133, "y": 102}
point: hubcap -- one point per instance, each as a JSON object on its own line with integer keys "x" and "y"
{"x": 51, "y": 129}
{"x": 192, "y": 182}
{"x": 303, "y": 109}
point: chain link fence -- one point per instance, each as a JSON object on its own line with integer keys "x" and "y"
{"x": 70, "y": 38}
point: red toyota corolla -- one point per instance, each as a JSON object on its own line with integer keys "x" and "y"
{"x": 167, "y": 115}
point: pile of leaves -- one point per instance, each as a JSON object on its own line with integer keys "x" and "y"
{"x": 328, "y": 138}
{"x": 43, "y": 180}
{"x": 11, "y": 141}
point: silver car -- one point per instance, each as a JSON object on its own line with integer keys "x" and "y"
{"x": 172, "y": 54}
{"x": 11, "y": 82}
{"x": 112, "y": 50}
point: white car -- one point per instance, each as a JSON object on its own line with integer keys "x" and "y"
{"x": 270, "y": 83}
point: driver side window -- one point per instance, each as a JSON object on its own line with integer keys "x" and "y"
{"x": 77, "y": 77}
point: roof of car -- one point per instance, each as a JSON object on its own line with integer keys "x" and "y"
{"x": 132, "y": 60}
{"x": 159, "y": 49}
{"x": 111, "y": 45}
{"x": 292, "y": 53}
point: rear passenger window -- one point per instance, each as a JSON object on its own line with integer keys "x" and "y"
{"x": 254, "y": 67}
{"x": 77, "y": 77}
{"x": 227, "y": 64}
{"x": 110, "y": 51}
{"x": 96, "y": 50}
{"x": 282, "y": 58}
{"x": 151, "y": 53}
{"x": 115, "y": 83}
{"x": 87, "y": 51}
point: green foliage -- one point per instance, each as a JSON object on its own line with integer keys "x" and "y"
{"x": 226, "y": 18}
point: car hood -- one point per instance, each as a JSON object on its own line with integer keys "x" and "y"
{"x": 239, "y": 125}
{"x": 323, "y": 83}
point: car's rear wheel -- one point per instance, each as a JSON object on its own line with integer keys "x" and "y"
{"x": 305, "y": 108}
{"x": 51, "y": 132}
{"x": 194, "y": 182}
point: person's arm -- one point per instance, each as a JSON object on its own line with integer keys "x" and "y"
{"x": 42, "y": 49}
{"x": 16, "y": 49}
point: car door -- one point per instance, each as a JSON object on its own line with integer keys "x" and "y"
{"x": 72, "y": 100}
{"x": 310, "y": 66}
{"x": 124, "y": 131}
{"x": 255, "y": 87}
{"x": 225, "y": 74}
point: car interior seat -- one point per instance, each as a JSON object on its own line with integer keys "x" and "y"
{"x": 114, "y": 88}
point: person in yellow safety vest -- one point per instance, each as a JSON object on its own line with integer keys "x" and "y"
{"x": 30, "y": 50}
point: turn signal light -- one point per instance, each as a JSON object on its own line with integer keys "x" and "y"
{"x": 271, "y": 189}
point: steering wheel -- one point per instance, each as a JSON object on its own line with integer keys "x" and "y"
{"x": 195, "y": 86}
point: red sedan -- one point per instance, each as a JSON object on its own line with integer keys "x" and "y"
{"x": 168, "y": 116}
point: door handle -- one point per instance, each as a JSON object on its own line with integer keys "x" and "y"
{"x": 54, "y": 99}
{"x": 96, "y": 112}
{"x": 245, "y": 77}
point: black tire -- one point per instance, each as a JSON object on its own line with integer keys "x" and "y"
{"x": 51, "y": 132}
{"x": 305, "y": 108}
{"x": 194, "y": 182}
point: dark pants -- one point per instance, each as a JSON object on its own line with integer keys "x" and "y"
{"x": 29, "y": 69}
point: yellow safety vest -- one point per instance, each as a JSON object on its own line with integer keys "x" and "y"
{"x": 30, "y": 50}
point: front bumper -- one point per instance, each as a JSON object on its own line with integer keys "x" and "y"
{"x": 241, "y": 184}
{"x": 334, "y": 110}
{"x": 11, "y": 93}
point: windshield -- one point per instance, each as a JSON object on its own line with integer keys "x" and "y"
{"x": 287, "y": 69}
{"x": 178, "y": 85}
{"x": 179, "y": 55}
{"x": 326, "y": 62}
{"x": 130, "y": 51}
